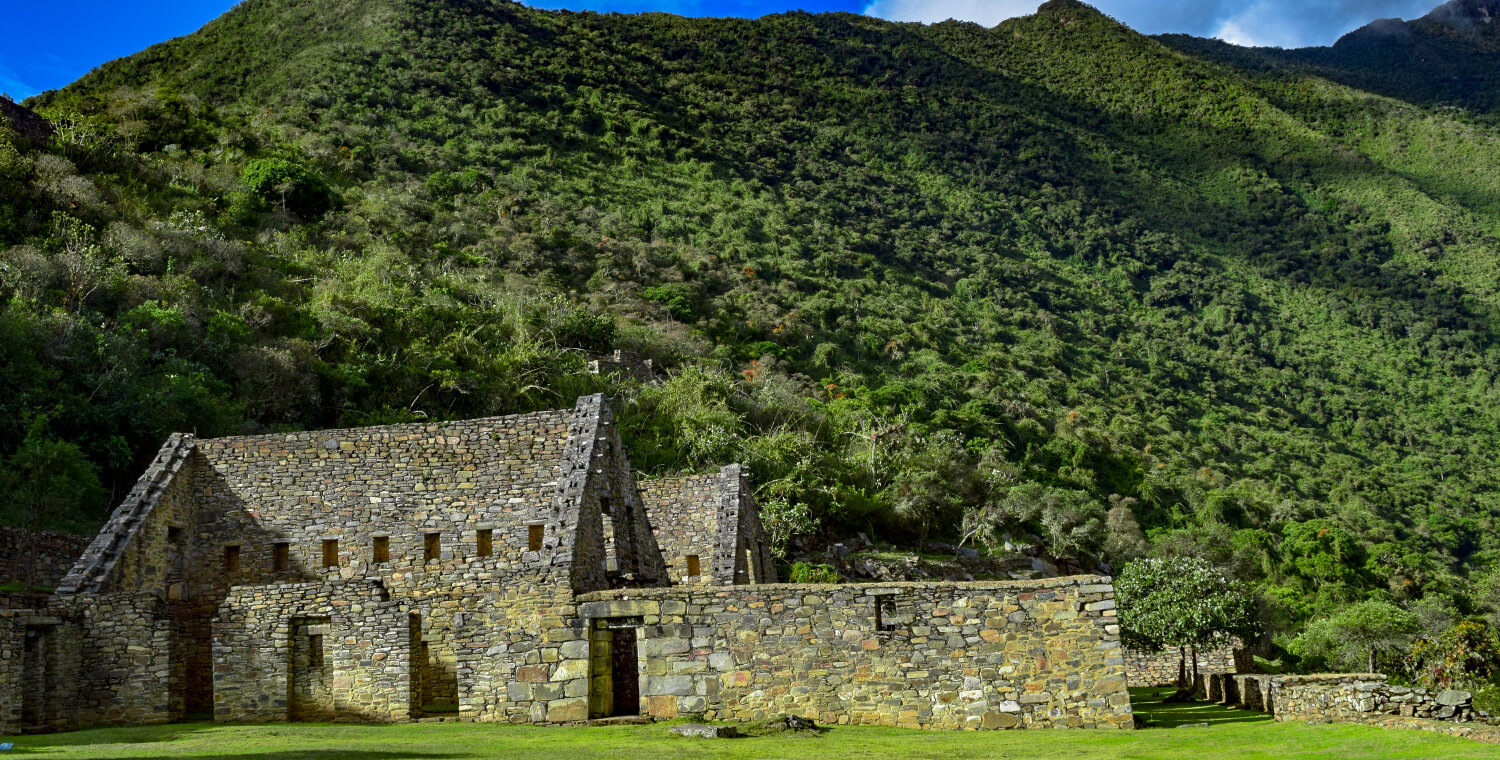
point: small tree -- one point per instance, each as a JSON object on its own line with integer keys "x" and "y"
{"x": 1358, "y": 634}
{"x": 1185, "y": 605}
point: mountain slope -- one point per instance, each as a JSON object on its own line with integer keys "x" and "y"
{"x": 1450, "y": 57}
{"x": 1055, "y": 267}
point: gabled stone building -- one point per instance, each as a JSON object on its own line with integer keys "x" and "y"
{"x": 512, "y": 569}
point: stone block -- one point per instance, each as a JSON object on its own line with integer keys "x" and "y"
{"x": 700, "y": 731}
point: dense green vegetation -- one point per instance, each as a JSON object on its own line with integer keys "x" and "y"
{"x": 1054, "y": 280}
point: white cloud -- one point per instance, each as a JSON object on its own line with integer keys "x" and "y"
{"x": 1284, "y": 23}
{"x": 987, "y": 13}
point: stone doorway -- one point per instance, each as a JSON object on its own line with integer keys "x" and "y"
{"x": 35, "y": 686}
{"x": 614, "y": 668}
{"x": 310, "y": 678}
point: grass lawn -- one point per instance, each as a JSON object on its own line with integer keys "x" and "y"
{"x": 1230, "y": 734}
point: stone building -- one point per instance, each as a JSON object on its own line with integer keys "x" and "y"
{"x": 512, "y": 569}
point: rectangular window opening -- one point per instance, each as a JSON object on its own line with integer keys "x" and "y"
{"x": 534, "y": 537}
{"x": 280, "y": 553}
{"x": 693, "y": 569}
{"x": 885, "y": 612}
{"x": 330, "y": 552}
{"x": 432, "y": 547}
{"x": 231, "y": 559}
{"x": 485, "y": 540}
{"x": 382, "y": 549}
{"x": 174, "y": 535}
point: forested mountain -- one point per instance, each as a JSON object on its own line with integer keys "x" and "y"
{"x": 1052, "y": 278}
{"x": 1450, "y": 57}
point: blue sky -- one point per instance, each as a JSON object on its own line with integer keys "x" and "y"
{"x": 49, "y": 44}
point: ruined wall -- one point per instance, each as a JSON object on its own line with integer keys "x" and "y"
{"x": 713, "y": 518}
{"x": 684, "y": 515}
{"x": 125, "y": 658}
{"x": 967, "y": 655}
{"x": 266, "y": 670}
{"x": 40, "y": 557}
{"x": 39, "y": 655}
{"x": 1355, "y": 697}
{"x": 1162, "y": 668}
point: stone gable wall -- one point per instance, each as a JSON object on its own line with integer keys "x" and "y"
{"x": 684, "y": 516}
{"x": 1036, "y": 654}
{"x": 40, "y": 557}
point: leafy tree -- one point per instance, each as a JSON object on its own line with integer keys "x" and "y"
{"x": 292, "y": 186}
{"x": 1185, "y": 605}
{"x": 47, "y": 483}
{"x": 1357, "y": 635}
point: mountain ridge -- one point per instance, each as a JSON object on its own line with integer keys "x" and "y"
{"x": 1055, "y": 274}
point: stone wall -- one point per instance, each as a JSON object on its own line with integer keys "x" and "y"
{"x": 1352, "y": 697}
{"x": 38, "y": 557}
{"x": 684, "y": 516}
{"x": 312, "y": 651}
{"x": 711, "y": 518}
{"x": 1162, "y": 668}
{"x": 1035, "y": 654}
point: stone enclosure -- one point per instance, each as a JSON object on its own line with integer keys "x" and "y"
{"x": 513, "y": 569}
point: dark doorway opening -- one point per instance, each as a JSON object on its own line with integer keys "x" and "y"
{"x": 614, "y": 668}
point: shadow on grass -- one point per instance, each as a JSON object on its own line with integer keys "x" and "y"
{"x": 38, "y": 744}
{"x": 1150, "y": 707}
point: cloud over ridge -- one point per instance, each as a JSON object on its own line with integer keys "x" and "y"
{"x": 1280, "y": 23}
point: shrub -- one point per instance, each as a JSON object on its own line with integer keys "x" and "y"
{"x": 807, "y": 572}
{"x": 290, "y": 185}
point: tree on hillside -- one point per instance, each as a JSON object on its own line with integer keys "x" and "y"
{"x": 1186, "y": 605}
{"x": 1356, "y": 635}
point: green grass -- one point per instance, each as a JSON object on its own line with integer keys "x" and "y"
{"x": 1230, "y": 734}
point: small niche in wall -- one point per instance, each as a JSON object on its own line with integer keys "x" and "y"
{"x": 330, "y": 552}
{"x": 432, "y": 546}
{"x": 484, "y": 540}
{"x": 314, "y": 650}
{"x": 382, "y": 549}
{"x": 280, "y": 556}
{"x": 232, "y": 559}
{"x": 693, "y": 568}
{"x": 534, "y": 537}
{"x": 174, "y": 535}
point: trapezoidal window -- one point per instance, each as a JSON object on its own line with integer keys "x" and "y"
{"x": 432, "y": 546}
{"x": 280, "y": 556}
{"x": 693, "y": 569}
{"x": 231, "y": 559}
{"x": 330, "y": 552}
{"x": 484, "y": 541}
{"x": 534, "y": 537}
{"x": 174, "y": 535}
{"x": 382, "y": 549}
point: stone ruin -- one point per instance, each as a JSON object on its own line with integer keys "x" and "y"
{"x": 513, "y": 569}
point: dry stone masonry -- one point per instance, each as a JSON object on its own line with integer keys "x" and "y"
{"x": 513, "y": 569}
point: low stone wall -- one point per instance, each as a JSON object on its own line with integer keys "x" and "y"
{"x": 1032, "y": 654}
{"x": 38, "y": 557}
{"x": 1366, "y": 698}
{"x": 1343, "y": 696}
